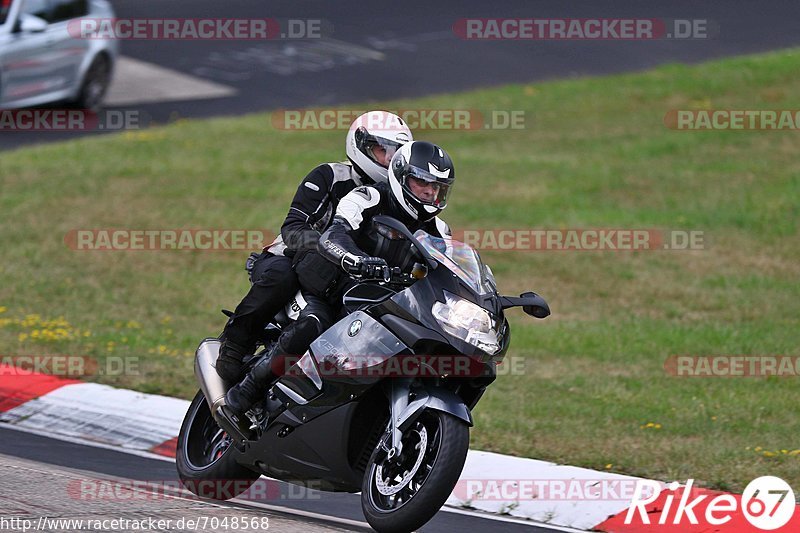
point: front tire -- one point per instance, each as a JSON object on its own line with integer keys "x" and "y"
{"x": 205, "y": 457}
{"x": 398, "y": 497}
{"x": 95, "y": 84}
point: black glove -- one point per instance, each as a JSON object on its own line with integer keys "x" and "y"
{"x": 365, "y": 267}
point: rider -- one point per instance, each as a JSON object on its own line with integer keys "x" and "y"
{"x": 420, "y": 177}
{"x": 371, "y": 141}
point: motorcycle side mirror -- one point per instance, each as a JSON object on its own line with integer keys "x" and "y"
{"x": 532, "y": 304}
{"x": 389, "y": 233}
{"x": 393, "y": 229}
{"x": 30, "y": 24}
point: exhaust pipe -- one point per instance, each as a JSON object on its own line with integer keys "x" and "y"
{"x": 205, "y": 370}
{"x": 214, "y": 388}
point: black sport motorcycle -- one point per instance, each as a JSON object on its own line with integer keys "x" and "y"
{"x": 380, "y": 403}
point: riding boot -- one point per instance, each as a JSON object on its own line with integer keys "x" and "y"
{"x": 242, "y": 396}
{"x": 229, "y": 363}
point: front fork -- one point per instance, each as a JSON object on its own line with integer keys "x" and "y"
{"x": 404, "y": 412}
{"x": 398, "y": 396}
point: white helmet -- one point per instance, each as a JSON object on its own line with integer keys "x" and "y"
{"x": 375, "y": 129}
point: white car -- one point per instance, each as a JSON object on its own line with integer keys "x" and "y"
{"x": 42, "y": 60}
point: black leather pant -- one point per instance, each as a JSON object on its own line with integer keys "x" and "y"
{"x": 274, "y": 283}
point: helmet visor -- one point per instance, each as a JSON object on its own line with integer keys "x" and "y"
{"x": 426, "y": 187}
{"x": 378, "y": 149}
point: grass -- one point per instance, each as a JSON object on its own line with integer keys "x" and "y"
{"x": 595, "y": 153}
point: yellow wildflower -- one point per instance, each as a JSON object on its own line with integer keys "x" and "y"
{"x": 30, "y": 321}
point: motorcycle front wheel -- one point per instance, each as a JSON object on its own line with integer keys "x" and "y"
{"x": 205, "y": 457}
{"x": 403, "y": 493}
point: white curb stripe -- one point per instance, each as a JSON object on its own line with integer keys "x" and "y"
{"x": 101, "y": 413}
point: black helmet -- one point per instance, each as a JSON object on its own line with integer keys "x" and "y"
{"x": 420, "y": 176}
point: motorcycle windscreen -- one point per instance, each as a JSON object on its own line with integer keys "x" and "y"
{"x": 460, "y": 258}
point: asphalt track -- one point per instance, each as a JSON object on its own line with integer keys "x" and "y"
{"x": 379, "y": 51}
{"x": 341, "y": 510}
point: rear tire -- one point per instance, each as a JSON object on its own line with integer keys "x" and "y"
{"x": 424, "y": 485}
{"x": 205, "y": 457}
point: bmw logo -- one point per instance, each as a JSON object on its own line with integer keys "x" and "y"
{"x": 355, "y": 327}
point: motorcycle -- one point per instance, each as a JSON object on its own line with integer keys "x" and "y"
{"x": 381, "y": 402}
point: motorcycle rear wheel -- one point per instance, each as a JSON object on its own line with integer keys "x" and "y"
{"x": 399, "y": 496}
{"x": 205, "y": 457}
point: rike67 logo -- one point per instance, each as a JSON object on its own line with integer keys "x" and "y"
{"x": 767, "y": 503}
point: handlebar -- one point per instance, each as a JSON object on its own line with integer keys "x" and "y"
{"x": 393, "y": 276}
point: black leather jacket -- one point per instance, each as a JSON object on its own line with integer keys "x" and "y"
{"x": 352, "y": 231}
{"x": 313, "y": 206}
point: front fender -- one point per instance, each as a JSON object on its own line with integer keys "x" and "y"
{"x": 438, "y": 399}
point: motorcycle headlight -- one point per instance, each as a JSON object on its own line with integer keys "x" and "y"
{"x": 467, "y": 321}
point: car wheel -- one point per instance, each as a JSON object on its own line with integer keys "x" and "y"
{"x": 95, "y": 84}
